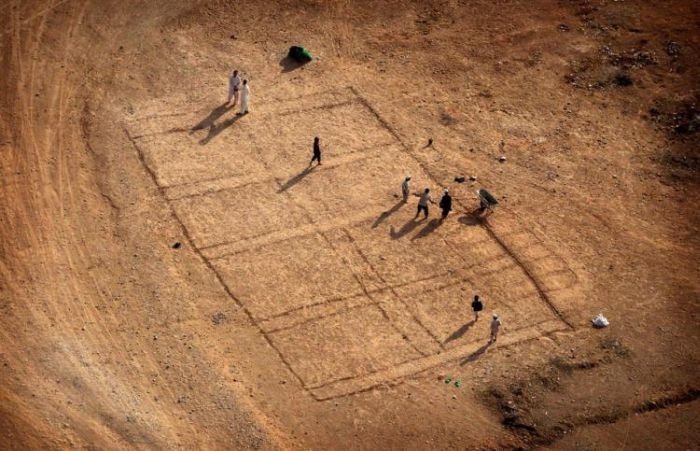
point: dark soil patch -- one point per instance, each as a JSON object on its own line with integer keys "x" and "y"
{"x": 615, "y": 346}
{"x": 622, "y": 79}
{"x": 684, "y": 162}
{"x": 679, "y": 117}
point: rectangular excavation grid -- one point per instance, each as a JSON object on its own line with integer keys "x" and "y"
{"x": 238, "y": 214}
{"x": 360, "y": 341}
{"x": 286, "y": 141}
{"x": 288, "y": 275}
{"x": 446, "y": 312}
{"x": 220, "y": 145}
{"x": 179, "y": 157}
{"x": 331, "y": 196}
{"x": 348, "y": 287}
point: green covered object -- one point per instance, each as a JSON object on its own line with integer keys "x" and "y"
{"x": 488, "y": 197}
{"x": 299, "y": 54}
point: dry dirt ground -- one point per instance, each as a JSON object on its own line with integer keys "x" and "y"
{"x": 173, "y": 276}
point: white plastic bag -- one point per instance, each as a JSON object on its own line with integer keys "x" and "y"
{"x": 600, "y": 321}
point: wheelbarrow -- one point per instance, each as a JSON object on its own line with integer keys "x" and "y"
{"x": 486, "y": 200}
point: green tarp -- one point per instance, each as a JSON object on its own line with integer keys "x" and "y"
{"x": 299, "y": 54}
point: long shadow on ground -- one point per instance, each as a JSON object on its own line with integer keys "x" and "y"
{"x": 404, "y": 230}
{"x": 429, "y": 228}
{"x": 214, "y": 130}
{"x": 388, "y": 213}
{"x": 296, "y": 179}
{"x": 459, "y": 332}
{"x": 211, "y": 118}
{"x": 476, "y": 354}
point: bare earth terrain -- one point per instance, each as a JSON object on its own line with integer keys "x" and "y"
{"x": 174, "y": 276}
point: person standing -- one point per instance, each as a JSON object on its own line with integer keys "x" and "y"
{"x": 477, "y": 306}
{"x": 495, "y": 327}
{"x": 317, "y": 152}
{"x": 423, "y": 203}
{"x": 234, "y": 84}
{"x": 406, "y": 188}
{"x": 446, "y": 204}
{"x": 245, "y": 95}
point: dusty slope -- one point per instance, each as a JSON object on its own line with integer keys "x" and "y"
{"x": 113, "y": 338}
{"x": 80, "y": 367}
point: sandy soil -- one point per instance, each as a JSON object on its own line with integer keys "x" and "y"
{"x": 175, "y": 276}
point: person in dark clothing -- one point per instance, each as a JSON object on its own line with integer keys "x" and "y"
{"x": 477, "y": 306}
{"x": 446, "y": 204}
{"x": 317, "y": 152}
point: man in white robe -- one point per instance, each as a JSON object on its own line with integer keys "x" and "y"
{"x": 245, "y": 96}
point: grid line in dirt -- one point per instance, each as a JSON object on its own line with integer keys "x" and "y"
{"x": 397, "y": 373}
{"x": 464, "y": 345}
{"x": 353, "y": 272}
{"x": 323, "y": 100}
{"x": 379, "y": 276}
{"x": 540, "y": 289}
{"x": 206, "y": 262}
{"x": 250, "y": 179}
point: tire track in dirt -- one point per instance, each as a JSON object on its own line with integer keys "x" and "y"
{"x": 33, "y": 16}
{"x": 24, "y": 217}
{"x": 59, "y": 106}
{"x": 28, "y": 194}
{"x": 57, "y": 184}
{"x": 103, "y": 337}
{"x": 57, "y": 88}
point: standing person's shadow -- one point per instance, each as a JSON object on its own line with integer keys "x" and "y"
{"x": 459, "y": 332}
{"x": 476, "y": 354}
{"x": 429, "y": 228}
{"x": 211, "y": 118}
{"x": 405, "y": 229}
{"x": 214, "y": 130}
{"x": 296, "y": 179}
{"x": 388, "y": 213}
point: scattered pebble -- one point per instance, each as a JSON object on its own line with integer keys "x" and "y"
{"x": 218, "y": 318}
